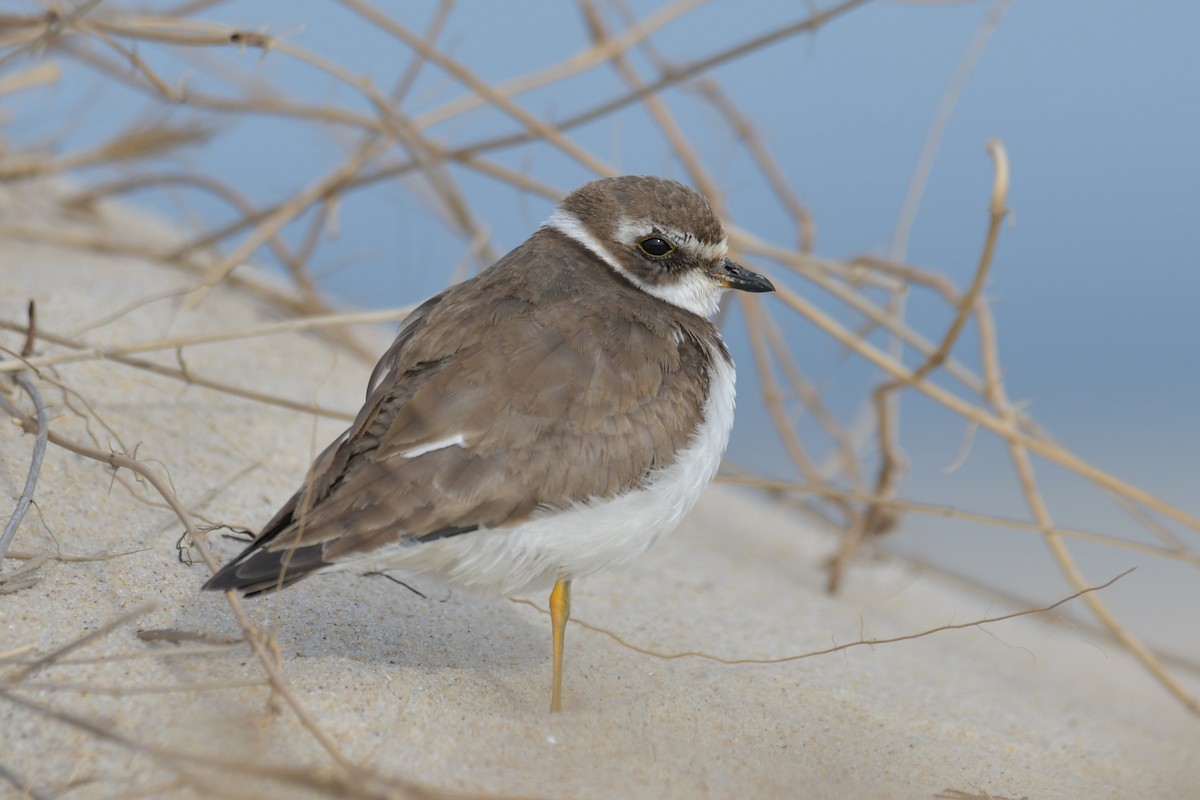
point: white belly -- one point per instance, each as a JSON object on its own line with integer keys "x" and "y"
{"x": 585, "y": 538}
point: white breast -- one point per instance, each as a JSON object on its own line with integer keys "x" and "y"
{"x": 587, "y": 537}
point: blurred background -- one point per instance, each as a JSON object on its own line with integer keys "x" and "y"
{"x": 875, "y": 117}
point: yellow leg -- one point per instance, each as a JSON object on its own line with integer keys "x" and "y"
{"x": 560, "y": 612}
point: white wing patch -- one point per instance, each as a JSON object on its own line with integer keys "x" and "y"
{"x": 456, "y": 440}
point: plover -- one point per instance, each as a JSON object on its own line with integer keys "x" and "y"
{"x": 552, "y": 416}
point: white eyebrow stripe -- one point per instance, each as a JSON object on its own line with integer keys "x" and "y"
{"x": 630, "y": 233}
{"x": 710, "y": 251}
{"x": 697, "y": 293}
{"x": 457, "y": 440}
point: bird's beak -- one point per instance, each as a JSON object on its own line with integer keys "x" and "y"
{"x": 735, "y": 276}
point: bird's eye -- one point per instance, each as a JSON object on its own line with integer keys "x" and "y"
{"x": 656, "y": 247}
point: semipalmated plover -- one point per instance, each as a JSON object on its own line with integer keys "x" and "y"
{"x": 552, "y": 416}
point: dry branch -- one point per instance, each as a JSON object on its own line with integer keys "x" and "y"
{"x": 956, "y": 626}
{"x": 876, "y": 520}
{"x": 258, "y": 639}
{"x": 39, "y": 446}
{"x": 177, "y": 342}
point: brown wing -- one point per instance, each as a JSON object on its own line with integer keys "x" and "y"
{"x": 554, "y": 404}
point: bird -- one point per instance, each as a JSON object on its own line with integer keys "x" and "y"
{"x": 553, "y": 416}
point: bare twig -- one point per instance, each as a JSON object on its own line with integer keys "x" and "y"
{"x": 674, "y": 77}
{"x": 25, "y": 555}
{"x": 25, "y": 787}
{"x": 30, "y": 77}
{"x": 129, "y": 691}
{"x": 549, "y": 133}
{"x": 31, "y": 331}
{"x": 877, "y": 520}
{"x": 744, "y": 128}
{"x": 194, "y": 379}
{"x": 600, "y": 52}
{"x": 12, "y": 581}
{"x": 39, "y": 444}
{"x": 1019, "y": 453}
{"x": 141, "y": 140}
{"x": 175, "y": 636}
{"x": 950, "y": 512}
{"x": 1010, "y": 429}
{"x": 357, "y": 783}
{"x": 978, "y": 623}
{"x": 91, "y": 636}
{"x": 54, "y": 24}
{"x": 937, "y": 127}
{"x": 176, "y": 342}
{"x": 253, "y": 635}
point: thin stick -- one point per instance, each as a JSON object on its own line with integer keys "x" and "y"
{"x": 876, "y": 519}
{"x": 16, "y": 652}
{"x": 39, "y": 444}
{"x": 128, "y": 691}
{"x": 293, "y": 261}
{"x": 979, "y": 623}
{"x": 55, "y": 23}
{"x": 22, "y": 785}
{"x": 813, "y": 403}
{"x": 30, "y": 77}
{"x": 263, "y": 105}
{"x": 1008, "y": 428}
{"x": 551, "y": 134}
{"x": 744, "y": 130}
{"x": 937, "y": 127}
{"x": 966, "y": 304}
{"x": 193, "y": 379}
{"x": 253, "y": 635}
{"x": 105, "y": 243}
{"x": 771, "y": 394}
{"x": 672, "y": 78}
{"x": 820, "y": 273}
{"x": 91, "y": 636}
{"x": 1019, "y": 453}
{"x": 176, "y": 342}
{"x": 357, "y": 783}
{"x": 151, "y": 653}
{"x": 596, "y": 54}
{"x": 296, "y": 205}
{"x": 35, "y": 465}
{"x": 950, "y": 512}
{"x": 671, "y": 130}
{"x": 996, "y": 215}
{"x": 25, "y": 555}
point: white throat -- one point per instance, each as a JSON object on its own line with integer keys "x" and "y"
{"x": 695, "y": 292}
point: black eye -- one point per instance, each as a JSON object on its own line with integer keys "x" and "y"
{"x": 656, "y": 247}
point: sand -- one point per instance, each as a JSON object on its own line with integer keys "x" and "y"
{"x": 448, "y": 691}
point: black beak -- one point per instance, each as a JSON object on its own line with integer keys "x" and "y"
{"x": 735, "y": 276}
